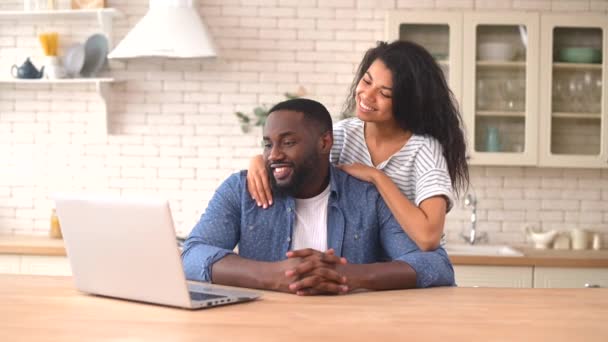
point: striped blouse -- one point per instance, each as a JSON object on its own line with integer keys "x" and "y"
{"x": 419, "y": 169}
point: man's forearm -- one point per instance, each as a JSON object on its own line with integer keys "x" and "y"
{"x": 234, "y": 270}
{"x": 391, "y": 275}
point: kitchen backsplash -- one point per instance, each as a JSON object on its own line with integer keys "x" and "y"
{"x": 173, "y": 132}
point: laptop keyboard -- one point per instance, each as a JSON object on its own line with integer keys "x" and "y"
{"x": 198, "y": 296}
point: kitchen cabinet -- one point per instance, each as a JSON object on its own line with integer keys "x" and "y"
{"x": 35, "y": 264}
{"x": 573, "y": 112}
{"x": 530, "y": 276}
{"x": 438, "y": 32}
{"x": 493, "y": 276}
{"x": 104, "y": 19}
{"x": 515, "y": 96}
{"x": 10, "y": 264}
{"x": 569, "y": 277}
{"x": 500, "y": 82}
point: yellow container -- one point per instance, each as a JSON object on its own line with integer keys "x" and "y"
{"x": 55, "y": 231}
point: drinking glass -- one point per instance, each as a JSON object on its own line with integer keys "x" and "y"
{"x": 558, "y": 95}
{"x": 481, "y": 95}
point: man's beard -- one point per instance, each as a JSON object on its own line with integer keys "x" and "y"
{"x": 299, "y": 178}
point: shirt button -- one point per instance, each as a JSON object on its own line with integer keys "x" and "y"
{"x": 288, "y": 210}
{"x": 251, "y": 227}
{"x": 288, "y": 239}
{"x": 356, "y": 236}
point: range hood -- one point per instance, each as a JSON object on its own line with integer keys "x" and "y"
{"x": 170, "y": 28}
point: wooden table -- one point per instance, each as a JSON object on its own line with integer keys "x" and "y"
{"x": 37, "y": 308}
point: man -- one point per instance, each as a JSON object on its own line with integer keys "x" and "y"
{"x": 327, "y": 233}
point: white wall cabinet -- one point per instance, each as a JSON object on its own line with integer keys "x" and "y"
{"x": 493, "y": 276}
{"x": 515, "y": 93}
{"x": 35, "y": 265}
{"x": 438, "y": 32}
{"x": 573, "y": 113}
{"x": 500, "y": 82}
{"x": 564, "y": 277}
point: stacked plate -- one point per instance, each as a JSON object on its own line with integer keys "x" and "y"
{"x": 86, "y": 59}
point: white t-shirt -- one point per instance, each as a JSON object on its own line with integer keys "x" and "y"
{"x": 419, "y": 169}
{"x": 310, "y": 229}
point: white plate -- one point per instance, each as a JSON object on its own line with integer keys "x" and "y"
{"x": 73, "y": 60}
{"x": 96, "y": 52}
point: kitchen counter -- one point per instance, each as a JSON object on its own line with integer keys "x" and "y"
{"x": 538, "y": 257}
{"x": 42, "y": 245}
{"x": 37, "y": 308}
{"x": 31, "y": 245}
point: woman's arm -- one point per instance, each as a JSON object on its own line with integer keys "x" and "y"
{"x": 257, "y": 182}
{"x": 423, "y": 224}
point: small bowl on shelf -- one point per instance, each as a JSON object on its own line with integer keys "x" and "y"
{"x": 439, "y": 57}
{"x": 496, "y": 51}
{"x": 580, "y": 55}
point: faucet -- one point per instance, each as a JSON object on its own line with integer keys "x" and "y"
{"x": 470, "y": 201}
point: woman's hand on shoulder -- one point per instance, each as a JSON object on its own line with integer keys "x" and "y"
{"x": 360, "y": 171}
{"x": 257, "y": 182}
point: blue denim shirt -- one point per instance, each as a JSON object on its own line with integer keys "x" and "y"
{"x": 360, "y": 228}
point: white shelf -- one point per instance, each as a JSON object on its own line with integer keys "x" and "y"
{"x": 586, "y": 66}
{"x": 59, "y": 81}
{"x": 501, "y": 64}
{"x": 498, "y": 113}
{"x": 564, "y": 115}
{"x": 59, "y": 14}
{"x": 102, "y": 86}
{"x": 104, "y": 17}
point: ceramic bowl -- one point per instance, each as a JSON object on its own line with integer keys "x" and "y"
{"x": 541, "y": 240}
{"x": 496, "y": 51}
{"x": 580, "y": 55}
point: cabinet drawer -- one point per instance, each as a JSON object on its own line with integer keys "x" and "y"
{"x": 493, "y": 276}
{"x": 45, "y": 265}
{"x": 9, "y": 264}
{"x": 564, "y": 277}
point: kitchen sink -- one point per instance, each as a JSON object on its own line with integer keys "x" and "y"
{"x": 488, "y": 250}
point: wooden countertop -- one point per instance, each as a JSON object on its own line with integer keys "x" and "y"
{"x": 37, "y": 308}
{"x": 538, "y": 257}
{"x": 42, "y": 245}
{"x": 31, "y": 245}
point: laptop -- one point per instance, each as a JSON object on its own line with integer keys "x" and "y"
{"x": 126, "y": 248}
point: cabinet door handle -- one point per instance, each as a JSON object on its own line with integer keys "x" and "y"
{"x": 587, "y": 285}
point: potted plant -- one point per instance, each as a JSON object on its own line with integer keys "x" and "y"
{"x": 260, "y": 113}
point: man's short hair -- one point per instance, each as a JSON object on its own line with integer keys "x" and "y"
{"x": 313, "y": 111}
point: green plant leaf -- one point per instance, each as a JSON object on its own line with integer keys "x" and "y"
{"x": 260, "y": 112}
{"x": 261, "y": 121}
{"x": 290, "y": 96}
{"x": 242, "y": 117}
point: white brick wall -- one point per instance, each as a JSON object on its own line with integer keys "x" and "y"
{"x": 174, "y": 134}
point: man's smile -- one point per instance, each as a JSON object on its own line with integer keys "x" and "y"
{"x": 281, "y": 171}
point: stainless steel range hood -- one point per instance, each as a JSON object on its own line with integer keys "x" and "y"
{"x": 170, "y": 28}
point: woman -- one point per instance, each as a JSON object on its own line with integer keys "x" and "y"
{"x": 406, "y": 139}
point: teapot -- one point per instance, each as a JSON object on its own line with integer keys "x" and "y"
{"x": 26, "y": 70}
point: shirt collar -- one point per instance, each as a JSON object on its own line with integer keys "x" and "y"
{"x": 334, "y": 174}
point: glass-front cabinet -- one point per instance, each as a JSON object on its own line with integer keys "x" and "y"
{"x": 573, "y": 127}
{"x": 439, "y": 32}
{"x": 500, "y": 87}
{"x": 530, "y": 86}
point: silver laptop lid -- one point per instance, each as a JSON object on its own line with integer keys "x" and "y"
{"x": 123, "y": 248}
